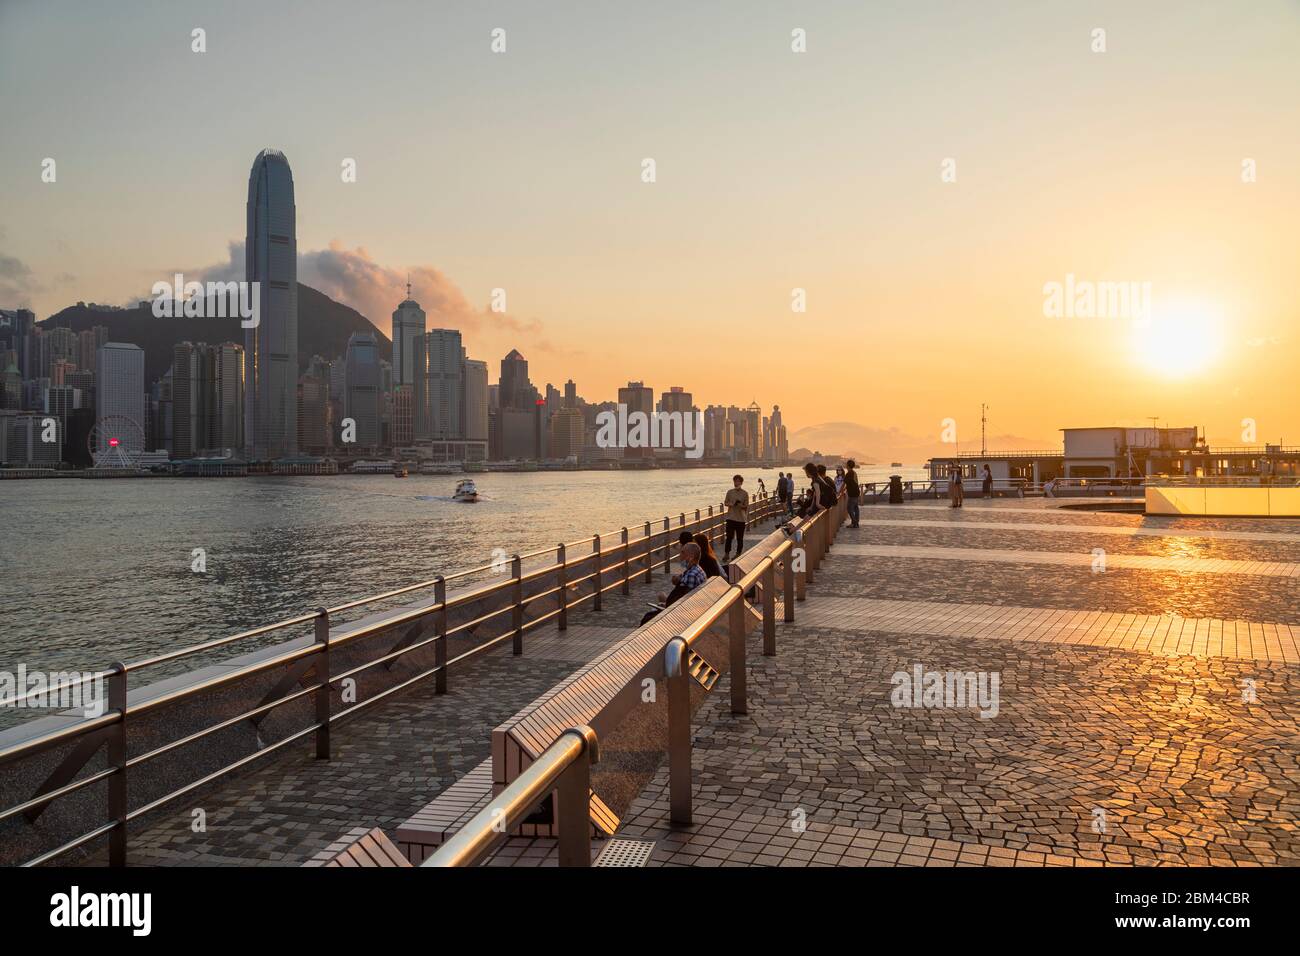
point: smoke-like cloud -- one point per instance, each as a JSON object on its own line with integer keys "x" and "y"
{"x": 353, "y": 277}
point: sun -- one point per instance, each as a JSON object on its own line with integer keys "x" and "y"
{"x": 1179, "y": 340}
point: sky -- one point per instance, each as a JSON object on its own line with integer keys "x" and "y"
{"x": 923, "y": 172}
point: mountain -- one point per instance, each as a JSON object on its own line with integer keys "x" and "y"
{"x": 864, "y": 443}
{"x": 323, "y": 329}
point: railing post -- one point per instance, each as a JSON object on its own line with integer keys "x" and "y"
{"x": 595, "y": 550}
{"x": 668, "y": 547}
{"x": 517, "y": 600}
{"x": 769, "y": 609}
{"x": 801, "y": 580}
{"x": 707, "y": 529}
{"x": 736, "y": 629}
{"x": 117, "y": 760}
{"x": 679, "y": 734}
{"x": 322, "y": 694}
{"x": 440, "y": 635}
{"x": 649, "y": 554}
{"x": 562, "y": 584}
{"x": 787, "y": 595}
{"x": 573, "y": 806}
{"x": 627, "y": 571}
{"x": 810, "y": 550}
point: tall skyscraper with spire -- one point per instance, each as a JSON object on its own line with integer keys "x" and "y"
{"x": 271, "y": 347}
{"x": 408, "y": 325}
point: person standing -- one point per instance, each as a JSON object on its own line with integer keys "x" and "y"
{"x": 954, "y": 486}
{"x": 986, "y": 490}
{"x": 737, "y": 505}
{"x": 853, "y": 489}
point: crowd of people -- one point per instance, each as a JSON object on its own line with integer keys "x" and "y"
{"x": 699, "y": 561}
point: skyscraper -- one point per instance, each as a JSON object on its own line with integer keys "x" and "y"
{"x": 408, "y": 325}
{"x": 516, "y": 391}
{"x": 271, "y": 347}
{"x": 119, "y": 385}
{"x": 361, "y": 400}
{"x": 638, "y": 397}
{"x": 444, "y": 355}
{"x": 191, "y": 399}
{"x": 228, "y": 396}
{"x": 474, "y": 405}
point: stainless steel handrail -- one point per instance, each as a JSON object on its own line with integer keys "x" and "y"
{"x": 564, "y": 767}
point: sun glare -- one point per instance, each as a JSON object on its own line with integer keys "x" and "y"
{"x": 1179, "y": 341}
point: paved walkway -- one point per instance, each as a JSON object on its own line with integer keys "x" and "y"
{"x": 1078, "y": 558}
{"x": 388, "y": 762}
{"x": 1148, "y": 715}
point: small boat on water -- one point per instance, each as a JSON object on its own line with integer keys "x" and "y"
{"x": 399, "y": 472}
{"x": 465, "y": 491}
{"x": 895, "y": 464}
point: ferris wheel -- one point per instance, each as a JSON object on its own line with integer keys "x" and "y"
{"x": 116, "y": 442}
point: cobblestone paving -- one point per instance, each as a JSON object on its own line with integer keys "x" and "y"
{"x": 1242, "y": 597}
{"x": 1161, "y": 751}
{"x": 387, "y": 763}
{"x": 1044, "y": 511}
{"x": 1178, "y": 545}
{"x": 1096, "y": 755}
{"x": 1144, "y": 562}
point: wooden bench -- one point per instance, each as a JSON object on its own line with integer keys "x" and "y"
{"x": 433, "y": 825}
{"x": 360, "y": 847}
{"x": 599, "y": 694}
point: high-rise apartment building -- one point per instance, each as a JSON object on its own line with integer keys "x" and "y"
{"x": 444, "y": 355}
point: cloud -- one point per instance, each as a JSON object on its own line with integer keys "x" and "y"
{"x": 17, "y": 282}
{"x": 353, "y": 277}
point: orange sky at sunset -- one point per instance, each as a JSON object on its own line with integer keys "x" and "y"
{"x": 821, "y": 171}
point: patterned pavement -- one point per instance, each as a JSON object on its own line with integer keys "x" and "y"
{"x": 1149, "y": 714}
{"x": 1133, "y": 726}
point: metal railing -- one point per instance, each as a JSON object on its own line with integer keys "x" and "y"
{"x": 564, "y": 767}
{"x": 652, "y": 549}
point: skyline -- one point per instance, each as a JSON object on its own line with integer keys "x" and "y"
{"x": 465, "y": 180}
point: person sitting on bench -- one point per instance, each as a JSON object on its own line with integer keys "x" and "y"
{"x": 692, "y": 577}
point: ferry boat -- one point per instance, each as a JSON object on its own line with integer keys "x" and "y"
{"x": 465, "y": 491}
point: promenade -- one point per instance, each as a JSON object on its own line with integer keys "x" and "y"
{"x": 1148, "y": 695}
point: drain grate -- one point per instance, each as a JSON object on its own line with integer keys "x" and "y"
{"x": 625, "y": 853}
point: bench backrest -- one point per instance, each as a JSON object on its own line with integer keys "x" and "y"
{"x": 360, "y": 847}
{"x": 599, "y": 694}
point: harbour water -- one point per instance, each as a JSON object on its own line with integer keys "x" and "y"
{"x": 93, "y": 571}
